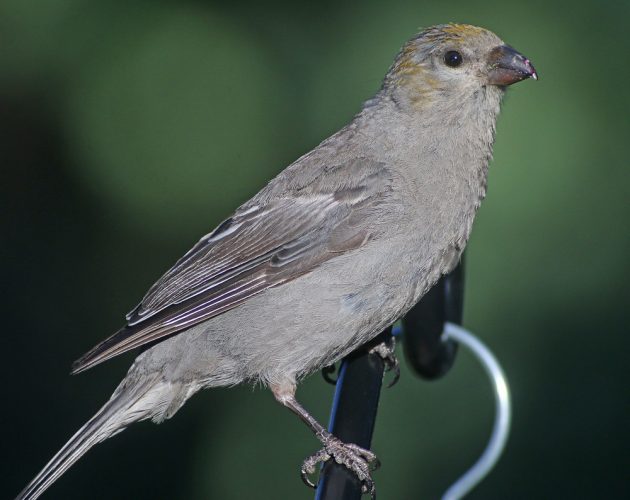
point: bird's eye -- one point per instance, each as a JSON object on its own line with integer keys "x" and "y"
{"x": 453, "y": 58}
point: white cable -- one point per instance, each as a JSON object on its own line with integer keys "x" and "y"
{"x": 502, "y": 418}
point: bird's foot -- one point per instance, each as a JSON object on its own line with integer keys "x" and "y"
{"x": 386, "y": 350}
{"x": 359, "y": 460}
{"x": 328, "y": 372}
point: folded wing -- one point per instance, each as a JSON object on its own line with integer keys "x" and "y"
{"x": 267, "y": 242}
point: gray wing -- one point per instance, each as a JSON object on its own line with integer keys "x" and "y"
{"x": 267, "y": 242}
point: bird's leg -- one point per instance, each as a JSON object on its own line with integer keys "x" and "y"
{"x": 357, "y": 459}
{"x": 386, "y": 350}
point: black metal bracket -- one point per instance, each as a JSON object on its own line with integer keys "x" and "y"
{"x": 358, "y": 386}
{"x": 353, "y": 416}
{"x": 427, "y": 352}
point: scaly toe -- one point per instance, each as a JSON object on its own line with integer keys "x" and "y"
{"x": 367, "y": 455}
{"x": 358, "y": 460}
{"x": 309, "y": 466}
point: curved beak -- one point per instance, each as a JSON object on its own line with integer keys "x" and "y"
{"x": 507, "y": 66}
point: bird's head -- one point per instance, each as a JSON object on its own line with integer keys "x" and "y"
{"x": 455, "y": 61}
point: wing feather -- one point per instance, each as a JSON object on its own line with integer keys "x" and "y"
{"x": 260, "y": 246}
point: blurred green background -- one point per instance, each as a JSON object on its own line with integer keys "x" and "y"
{"x": 130, "y": 129}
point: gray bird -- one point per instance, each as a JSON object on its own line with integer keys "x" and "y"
{"x": 337, "y": 247}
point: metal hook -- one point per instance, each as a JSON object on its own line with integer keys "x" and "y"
{"x": 503, "y": 412}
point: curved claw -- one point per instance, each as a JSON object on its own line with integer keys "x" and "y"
{"x": 395, "y": 367}
{"x": 327, "y": 371}
{"x": 374, "y": 464}
{"x": 308, "y": 466}
{"x": 306, "y": 480}
{"x": 368, "y": 487}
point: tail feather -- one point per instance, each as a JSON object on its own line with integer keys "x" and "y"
{"x": 126, "y": 406}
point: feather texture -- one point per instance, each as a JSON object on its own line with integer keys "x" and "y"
{"x": 267, "y": 242}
